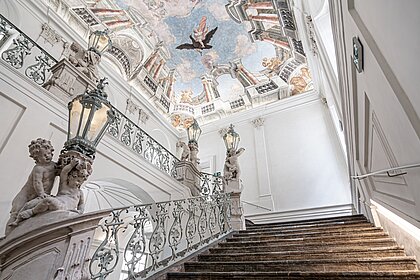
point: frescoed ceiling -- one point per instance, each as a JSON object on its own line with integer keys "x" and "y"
{"x": 174, "y": 22}
{"x": 203, "y": 59}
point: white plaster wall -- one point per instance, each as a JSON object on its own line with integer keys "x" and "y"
{"x": 382, "y": 103}
{"x": 302, "y": 165}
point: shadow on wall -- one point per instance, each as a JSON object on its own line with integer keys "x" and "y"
{"x": 112, "y": 193}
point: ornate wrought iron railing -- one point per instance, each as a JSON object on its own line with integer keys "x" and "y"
{"x": 138, "y": 241}
{"x": 23, "y": 53}
{"x": 211, "y": 184}
{"x": 131, "y": 135}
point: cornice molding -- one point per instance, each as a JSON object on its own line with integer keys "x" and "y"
{"x": 262, "y": 111}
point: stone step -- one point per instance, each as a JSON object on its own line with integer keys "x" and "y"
{"x": 301, "y": 240}
{"x": 308, "y": 233}
{"x": 356, "y": 244}
{"x": 313, "y": 221}
{"x": 350, "y": 224}
{"x": 394, "y": 251}
{"x": 308, "y": 236}
{"x": 296, "y": 275}
{"x": 357, "y": 264}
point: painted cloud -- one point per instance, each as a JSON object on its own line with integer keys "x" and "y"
{"x": 218, "y": 11}
{"x": 209, "y": 59}
{"x": 244, "y": 47}
{"x": 186, "y": 71}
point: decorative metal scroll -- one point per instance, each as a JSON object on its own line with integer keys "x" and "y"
{"x": 152, "y": 236}
{"x": 24, "y": 54}
{"x": 132, "y": 136}
{"x": 211, "y": 184}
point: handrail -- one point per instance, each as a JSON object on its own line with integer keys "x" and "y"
{"x": 360, "y": 177}
{"x": 256, "y": 205}
{"x": 144, "y": 132}
{"x": 176, "y": 229}
{"x": 27, "y": 37}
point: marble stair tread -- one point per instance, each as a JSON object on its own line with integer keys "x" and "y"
{"x": 350, "y": 224}
{"x": 300, "y": 241}
{"x": 359, "y": 264}
{"x": 321, "y": 254}
{"x": 334, "y": 248}
{"x": 313, "y": 221}
{"x": 335, "y": 231}
{"x": 277, "y": 247}
{"x": 333, "y": 236}
{"x": 291, "y": 275}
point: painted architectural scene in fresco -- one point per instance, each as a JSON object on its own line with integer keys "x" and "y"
{"x": 203, "y": 59}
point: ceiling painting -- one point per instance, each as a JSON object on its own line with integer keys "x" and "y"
{"x": 205, "y": 59}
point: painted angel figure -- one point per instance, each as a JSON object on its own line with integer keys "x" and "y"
{"x": 200, "y": 32}
{"x": 200, "y": 37}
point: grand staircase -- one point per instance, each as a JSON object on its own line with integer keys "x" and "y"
{"x": 334, "y": 248}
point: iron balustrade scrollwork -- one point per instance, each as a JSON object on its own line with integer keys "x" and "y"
{"x": 23, "y": 53}
{"x": 151, "y": 236}
{"x": 210, "y": 183}
{"x": 132, "y": 136}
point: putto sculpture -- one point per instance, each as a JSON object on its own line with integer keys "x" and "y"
{"x": 35, "y": 197}
{"x": 40, "y": 181}
{"x": 232, "y": 170}
{"x": 185, "y": 156}
{"x": 86, "y": 61}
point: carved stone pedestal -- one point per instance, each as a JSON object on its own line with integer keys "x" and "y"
{"x": 234, "y": 187}
{"x": 188, "y": 175}
{"x": 54, "y": 245}
{"x": 237, "y": 214}
{"x": 67, "y": 80}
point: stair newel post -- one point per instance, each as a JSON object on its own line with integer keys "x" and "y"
{"x": 231, "y": 178}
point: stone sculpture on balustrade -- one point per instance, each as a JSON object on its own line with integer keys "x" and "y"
{"x": 187, "y": 169}
{"x": 233, "y": 185}
{"x": 76, "y": 72}
{"x": 185, "y": 156}
{"x": 35, "y": 196}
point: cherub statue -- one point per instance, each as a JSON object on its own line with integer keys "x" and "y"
{"x": 69, "y": 197}
{"x": 41, "y": 180}
{"x": 231, "y": 170}
{"x": 85, "y": 60}
{"x": 185, "y": 156}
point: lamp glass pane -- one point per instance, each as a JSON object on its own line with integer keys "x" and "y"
{"x": 99, "y": 120}
{"x": 103, "y": 44}
{"x": 85, "y": 118}
{"x": 74, "y": 117}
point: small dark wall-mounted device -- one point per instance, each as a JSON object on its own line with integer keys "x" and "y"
{"x": 358, "y": 54}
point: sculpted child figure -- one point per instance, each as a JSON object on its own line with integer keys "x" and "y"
{"x": 69, "y": 197}
{"x": 41, "y": 180}
{"x": 231, "y": 169}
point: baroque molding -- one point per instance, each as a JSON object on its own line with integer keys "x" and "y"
{"x": 50, "y": 35}
{"x": 258, "y": 122}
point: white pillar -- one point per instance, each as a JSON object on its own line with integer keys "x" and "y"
{"x": 263, "y": 173}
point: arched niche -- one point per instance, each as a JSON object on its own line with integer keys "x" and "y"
{"x": 110, "y": 193}
{"x": 127, "y": 52}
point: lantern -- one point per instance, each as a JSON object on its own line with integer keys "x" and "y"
{"x": 194, "y": 132}
{"x": 89, "y": 116}
{"x": 231, "y": 139}
{"x": 99, "y": 41}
